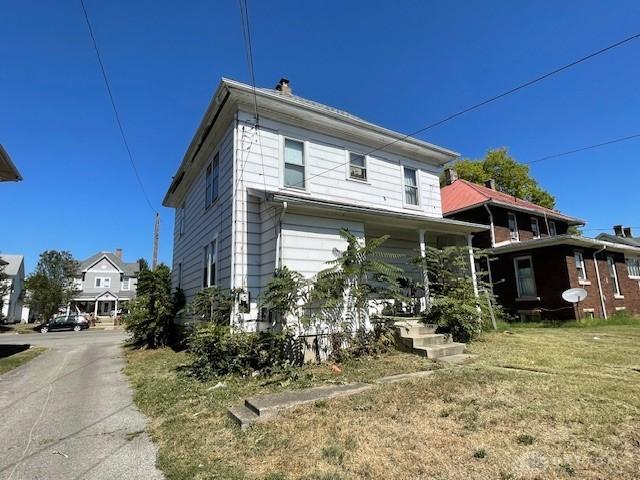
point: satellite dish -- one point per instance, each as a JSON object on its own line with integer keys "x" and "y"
{"x": 574, "y": 295}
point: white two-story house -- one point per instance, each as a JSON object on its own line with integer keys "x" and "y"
{"x": 253, "y": 194}
{"x": 105, "y": 283}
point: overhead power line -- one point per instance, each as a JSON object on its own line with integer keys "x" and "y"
{"x": 113, "y": 105}
{"x": 582, "y": 149}
{"x": 492, "y": 99}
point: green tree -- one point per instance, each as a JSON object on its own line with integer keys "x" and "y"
{"x": 213, "y": 305}
{"x": 511, "y": 177}
{"x": 285, "y": 294}
{"x": 150, "y": 320}
{"x": 4, "y": 285}
{"x": 359, "y": 275}
{"x": 51, "y": 285}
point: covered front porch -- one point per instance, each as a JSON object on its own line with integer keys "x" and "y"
{"x": 106, "y": 304}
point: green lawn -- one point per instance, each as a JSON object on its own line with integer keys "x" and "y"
{"x": 539, "y": 403}
{"x": 13, "y": 361}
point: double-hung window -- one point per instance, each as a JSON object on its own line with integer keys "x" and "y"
{"x": 209, "y": 268}
{"x": 513, "y": 227}
{"x": 294, "y": 168}
{"x": 535, "y": 227}
{"x": 357, "y": 166}
{"x": 613, "y": 274}
{"x": 126, "y": 283}
{"x": 552, "y": 228}
{"x": 211, "y": 181}
{"x": 102, "y": 282}
{"x": 580, "y": 266}
{"x": 411, "y": 196}
{"x": 633, "y": 267}
{"x": 525, "y": 278}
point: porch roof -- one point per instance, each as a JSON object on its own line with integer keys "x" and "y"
{"x": 375, "y": 215}
{"x": 92, "y": 297}
{"x": 572, "y": 240}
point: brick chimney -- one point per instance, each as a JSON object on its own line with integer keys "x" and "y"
{"x": 627, "y": 232}
{"x": 490, "y": 184}
{"x": 450, "y": 176}
{"x": 617, "y": 229}
{"x": 118, "y": 253}
{"x": 284, "y": 87}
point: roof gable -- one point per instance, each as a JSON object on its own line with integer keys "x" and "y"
{"x": 12, "y": 263}
{"x": 462, "y": 195}
{"x": 122, "y": 267}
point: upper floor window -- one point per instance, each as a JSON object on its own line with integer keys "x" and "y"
{"x": 513, "y": 226}
{"x": 613, "y": 274}
{"x": 552, "y": 228}
{"x": 535, "y": 227}
{"x": 102, "y": 282}
{"x": 357, "y": 166}
{"x": 525, "y": 278}
{"x": 411, "y": 186}
{"x": 294, "y": 174}
{"x": 580, "y": 266}
{"x": 633, "y": 266}
{"x": 126, "y": 283}
{"x": 211, "y": 182}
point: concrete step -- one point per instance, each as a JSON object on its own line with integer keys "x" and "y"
{"x": 269, "y": 405}
{"x": 439, "y": 351}
{"x": 425, "y": 340}
{"x": 410, "y": 330}
{"x": 242, "y": 416}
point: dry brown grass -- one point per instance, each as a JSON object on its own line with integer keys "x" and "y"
{"x": 539, "y": 404}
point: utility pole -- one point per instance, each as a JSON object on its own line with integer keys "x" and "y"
{"x": 156, "y": 235}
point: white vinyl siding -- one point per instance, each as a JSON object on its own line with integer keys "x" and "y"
{"x": 525, "y": 277}
{"x": 580, "y": 266}
{"x": 357, "y": 166}
{"x": 633, "y": 267}
{"x": 513, "y": 227}
{"x": 535, "y": 227}
{"x": 180, "y": 213}
{"x": 411, "y": 193}
{"x": 294, "y": 164}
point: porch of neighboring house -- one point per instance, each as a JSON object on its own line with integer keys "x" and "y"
{"x": 103, "y": 308}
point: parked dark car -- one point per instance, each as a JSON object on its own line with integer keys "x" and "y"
{"x": 64, "y": 322}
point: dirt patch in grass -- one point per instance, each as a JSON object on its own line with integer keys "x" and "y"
{"x": 13, "y": 361}
{"x": 479, "y": 421}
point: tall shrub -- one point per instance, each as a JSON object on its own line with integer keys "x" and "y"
{"x": 213, "y": 305}
{"x": 285, "y": 294}
{"x": 150, "y": 319}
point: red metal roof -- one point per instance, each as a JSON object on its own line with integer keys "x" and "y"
{"x": 461, "y": 195}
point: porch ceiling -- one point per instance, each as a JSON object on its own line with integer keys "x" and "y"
{"x": 375, "y": 216}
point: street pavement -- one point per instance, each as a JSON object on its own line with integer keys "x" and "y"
{"x": 69, "y": 413}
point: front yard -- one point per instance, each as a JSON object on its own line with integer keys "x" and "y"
{"x": 538, "y": 403}
{"x": 12, "y": 356}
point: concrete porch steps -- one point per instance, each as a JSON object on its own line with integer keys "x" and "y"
{"x": 421, "y": 339}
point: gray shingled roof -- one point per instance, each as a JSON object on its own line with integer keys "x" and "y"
{"x": 13, "y": 263}
{"x": 128, "y": 268}
{"x": 633, "y": 241}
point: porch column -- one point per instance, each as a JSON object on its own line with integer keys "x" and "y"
{"x": 472, "y": 264}
{"x": 95, "y": 309}
{"x": 115, "y": 313}
{"x": 424, "y": 301}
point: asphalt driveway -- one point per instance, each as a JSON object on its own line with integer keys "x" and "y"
{"x": 69, "y": 414}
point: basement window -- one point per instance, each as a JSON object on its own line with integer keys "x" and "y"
{"x": 357, "y": 166}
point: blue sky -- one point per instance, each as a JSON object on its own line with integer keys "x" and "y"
{"x": 400, "y": 64}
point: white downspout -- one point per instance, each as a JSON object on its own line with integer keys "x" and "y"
{"x": 279, "y": 250}
{"x": 595, "y": 261}
{"x": 492, "y": 230}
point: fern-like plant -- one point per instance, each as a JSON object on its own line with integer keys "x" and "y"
{"x": 285, "y": 294}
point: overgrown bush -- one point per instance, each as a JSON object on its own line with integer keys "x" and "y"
{"x": 213, "y": 305}
{"x": 284, "y": 293}
{"x": 150, "y": 318}
{"x": 345, "y": 345}
{"x": 216, "y": 350}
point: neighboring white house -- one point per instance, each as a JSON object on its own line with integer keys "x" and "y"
{"x": 11, "y": 304}
{"x": 106, "y": 283}
{"x": 252, "y": 195}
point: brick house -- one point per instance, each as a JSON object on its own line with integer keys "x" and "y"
{"x": 534, "y": 257}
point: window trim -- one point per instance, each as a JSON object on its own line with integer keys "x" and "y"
{"x": 103, "y": 282}
{"x": 555, "y": 228}
{"x": 511, "y": 215}
{"x": 207, "y": 261}
{"x": 365, "y": 168}
{"x": 128, "y": 284}
{"x": 613, "y": 275}
{"x": 305, "y": 163}
{"x": 585, "y": 280}
{"x": 533, "y": 273}
{"x": 534, "y": 220}
{"x": 418, "y": 206}
{"x": 180, "y": 275}
{"x": 213, "y": 166}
